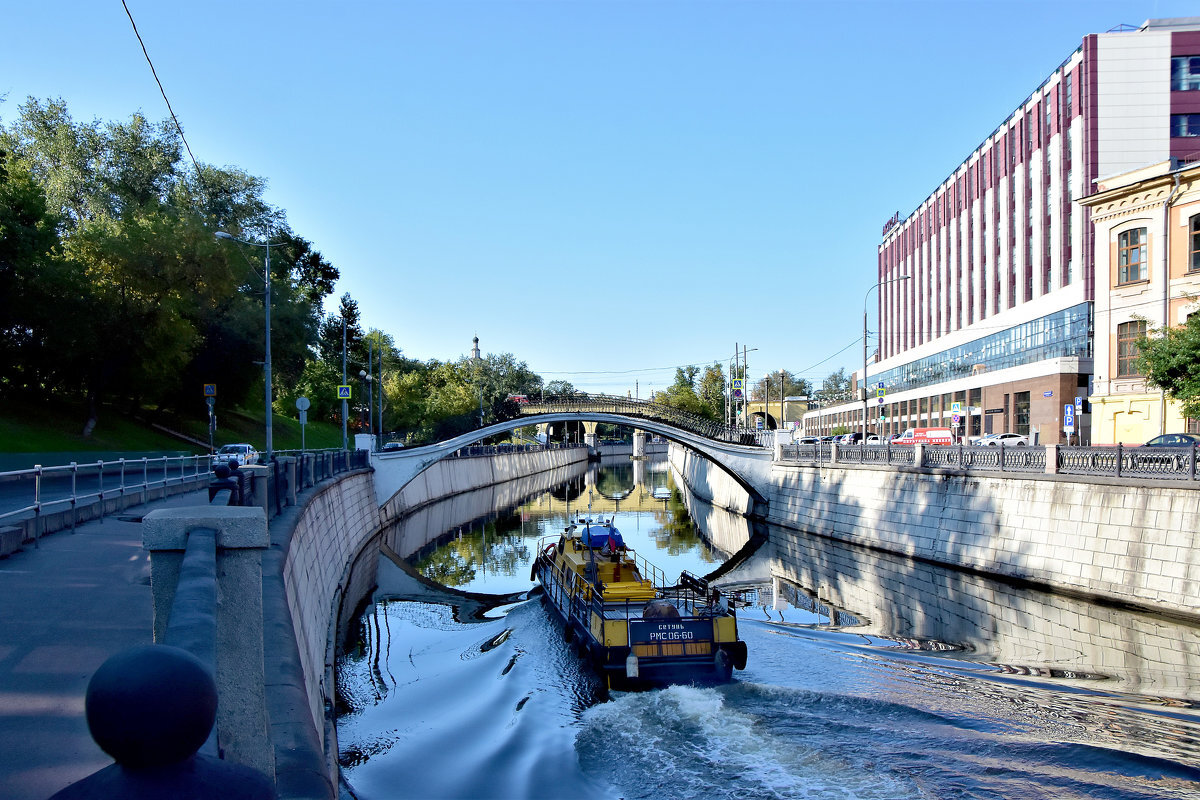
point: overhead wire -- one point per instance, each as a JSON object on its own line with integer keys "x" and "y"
{"x": 175, "y": 119}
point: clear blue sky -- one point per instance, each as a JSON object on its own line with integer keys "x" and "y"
{"x": 607, "y": 190}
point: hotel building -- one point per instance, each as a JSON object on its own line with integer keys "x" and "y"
{"x": 986, "y": 291}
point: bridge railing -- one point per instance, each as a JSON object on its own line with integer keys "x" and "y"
{"x": 642, "y": 409}
{"x": 1147, "y": 463}
{"x": 477, "y": 450}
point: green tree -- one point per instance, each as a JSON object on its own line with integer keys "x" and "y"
{"x": 712, "y": 391}
{"x": 792, "y": 386}
{"x": 681, "y": 393}
{"x": 1170, "y": 359}
{"x": 35, "y": 284}
{"x": 834, "y": 389}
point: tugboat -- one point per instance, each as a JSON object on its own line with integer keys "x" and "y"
{"x": 637, "y": 630}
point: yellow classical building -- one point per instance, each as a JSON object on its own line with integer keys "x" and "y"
{"x": 1147, "y": 277}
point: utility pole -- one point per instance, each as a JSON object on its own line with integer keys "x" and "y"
{"x": 345, "y": 402}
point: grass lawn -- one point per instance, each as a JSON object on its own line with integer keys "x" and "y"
{"x": 57, "y": 427}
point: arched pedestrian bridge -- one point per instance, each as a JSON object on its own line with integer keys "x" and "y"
{"x": 736, "y": 451}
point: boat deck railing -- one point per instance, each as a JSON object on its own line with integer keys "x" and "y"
{"x": 574, "y": 592}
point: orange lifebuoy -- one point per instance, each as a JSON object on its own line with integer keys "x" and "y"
{"x": 548, "y": 551}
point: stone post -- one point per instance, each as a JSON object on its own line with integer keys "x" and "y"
{"x": 241, "y": 539}
{"x": 1052, "y": 459}
{"x": 639, "y": 444}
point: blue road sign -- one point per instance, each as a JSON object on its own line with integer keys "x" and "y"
{"x": 343, "y": 393}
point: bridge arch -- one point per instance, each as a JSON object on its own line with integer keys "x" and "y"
{"x": 748, "y": 465}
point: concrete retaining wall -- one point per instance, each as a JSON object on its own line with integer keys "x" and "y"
{"x": 328, "y": 532}
{"x": 1137, "y": 545}
{"x": 457, "y": 475}
{"x": 708, "y": 482}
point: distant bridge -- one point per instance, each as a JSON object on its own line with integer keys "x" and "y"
{"x": 734, "y": 450}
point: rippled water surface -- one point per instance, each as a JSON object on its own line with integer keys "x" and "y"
{"x": 868, "y": 676}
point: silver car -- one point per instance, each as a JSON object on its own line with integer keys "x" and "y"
{"x": 243, "y": 454}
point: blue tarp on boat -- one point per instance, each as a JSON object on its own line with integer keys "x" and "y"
{"x": 598, "y": 535}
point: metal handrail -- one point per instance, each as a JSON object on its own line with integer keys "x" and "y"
{"x": 1178, "y": 464}
{"x": 642, "y": 409}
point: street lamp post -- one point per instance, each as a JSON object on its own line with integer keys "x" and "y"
{"x": 865, "y": 398}
{"x": 366, "y": 379}
{"x": 270, "y": 443}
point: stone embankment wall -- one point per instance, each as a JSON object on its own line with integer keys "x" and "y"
{"x": 709, "y": 482}
{"x": 1131, "y": 544}
{"x": 453, "y": 476}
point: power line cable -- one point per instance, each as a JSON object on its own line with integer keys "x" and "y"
{"x": 175, "y": 119}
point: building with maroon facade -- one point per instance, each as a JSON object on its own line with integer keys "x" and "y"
{"x": 986, "y": 290}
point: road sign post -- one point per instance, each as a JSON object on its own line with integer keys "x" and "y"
{"x": 210, "y": 397}
{"x": 1068, "y": 421}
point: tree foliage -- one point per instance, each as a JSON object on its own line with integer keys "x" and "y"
{"x": 1170, "y": 359}
{"x": 834, "y": 389}
{"x": 769, "y": 386}
{"x": 114, "y": 286}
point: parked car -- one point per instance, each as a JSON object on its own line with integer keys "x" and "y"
{"x": 393, "y": 446}
{"x": 807, "y": 440}
{"x": 1174, "y": 440}
{"x": 242, "y": 453}
{"x": 1006, "y": 439}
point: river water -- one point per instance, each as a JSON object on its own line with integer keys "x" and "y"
{"x": 869, "y": 676}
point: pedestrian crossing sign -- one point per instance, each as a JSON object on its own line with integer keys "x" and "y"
{"x": 343, "y": 393}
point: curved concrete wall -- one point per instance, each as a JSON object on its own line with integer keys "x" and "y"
{"x": 453, "y": 476}
{"x": 709, "y": 482}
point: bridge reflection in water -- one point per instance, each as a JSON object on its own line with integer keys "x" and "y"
{"x": 869, "y": 674}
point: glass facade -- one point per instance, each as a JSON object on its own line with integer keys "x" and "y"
{"x": 1185, "y": 73}
{"x": 1063, "y": 334}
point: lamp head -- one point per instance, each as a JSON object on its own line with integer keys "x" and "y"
{"x": 222, "y": 235}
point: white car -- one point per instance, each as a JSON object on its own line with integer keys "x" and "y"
{"x": 243, "y": 454}
{"x": 1006, "y": 439}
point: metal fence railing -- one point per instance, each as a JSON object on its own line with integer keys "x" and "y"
{"x": 32, "y": 493}
{"x": 1144, "y": 463}
{"x": 475, "y": 450}
{"x": 639, "y": 409}
{"x": 40, "y": 491}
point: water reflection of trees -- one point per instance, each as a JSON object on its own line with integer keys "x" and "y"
{"x": 677, "y": 533}
{"x": 615, "y": 481}
{"x": 497, "y": 546}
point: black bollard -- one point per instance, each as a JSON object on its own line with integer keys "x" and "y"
{"x": 224, "y": 478}
{"x": 151, "y": 708}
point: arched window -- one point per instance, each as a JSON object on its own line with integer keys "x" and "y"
{"x": 1128, "y": 334}
{"x": 1131, "y": 256}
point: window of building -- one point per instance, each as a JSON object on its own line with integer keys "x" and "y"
{"x": 1021, "y": 413}
{"x": 1185, "y": 125}
{"x": 1185, "y": 74}
{"x": 1194, "y": 239}
{"x": 1131, "y": 256}
{"x": 1128, "y": 334}
{"x": 1067, "y": 82}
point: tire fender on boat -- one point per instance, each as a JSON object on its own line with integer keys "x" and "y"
{"x": 737, "y": 652}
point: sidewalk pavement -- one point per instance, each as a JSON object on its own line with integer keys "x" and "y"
{"x": 65, "y": 607}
